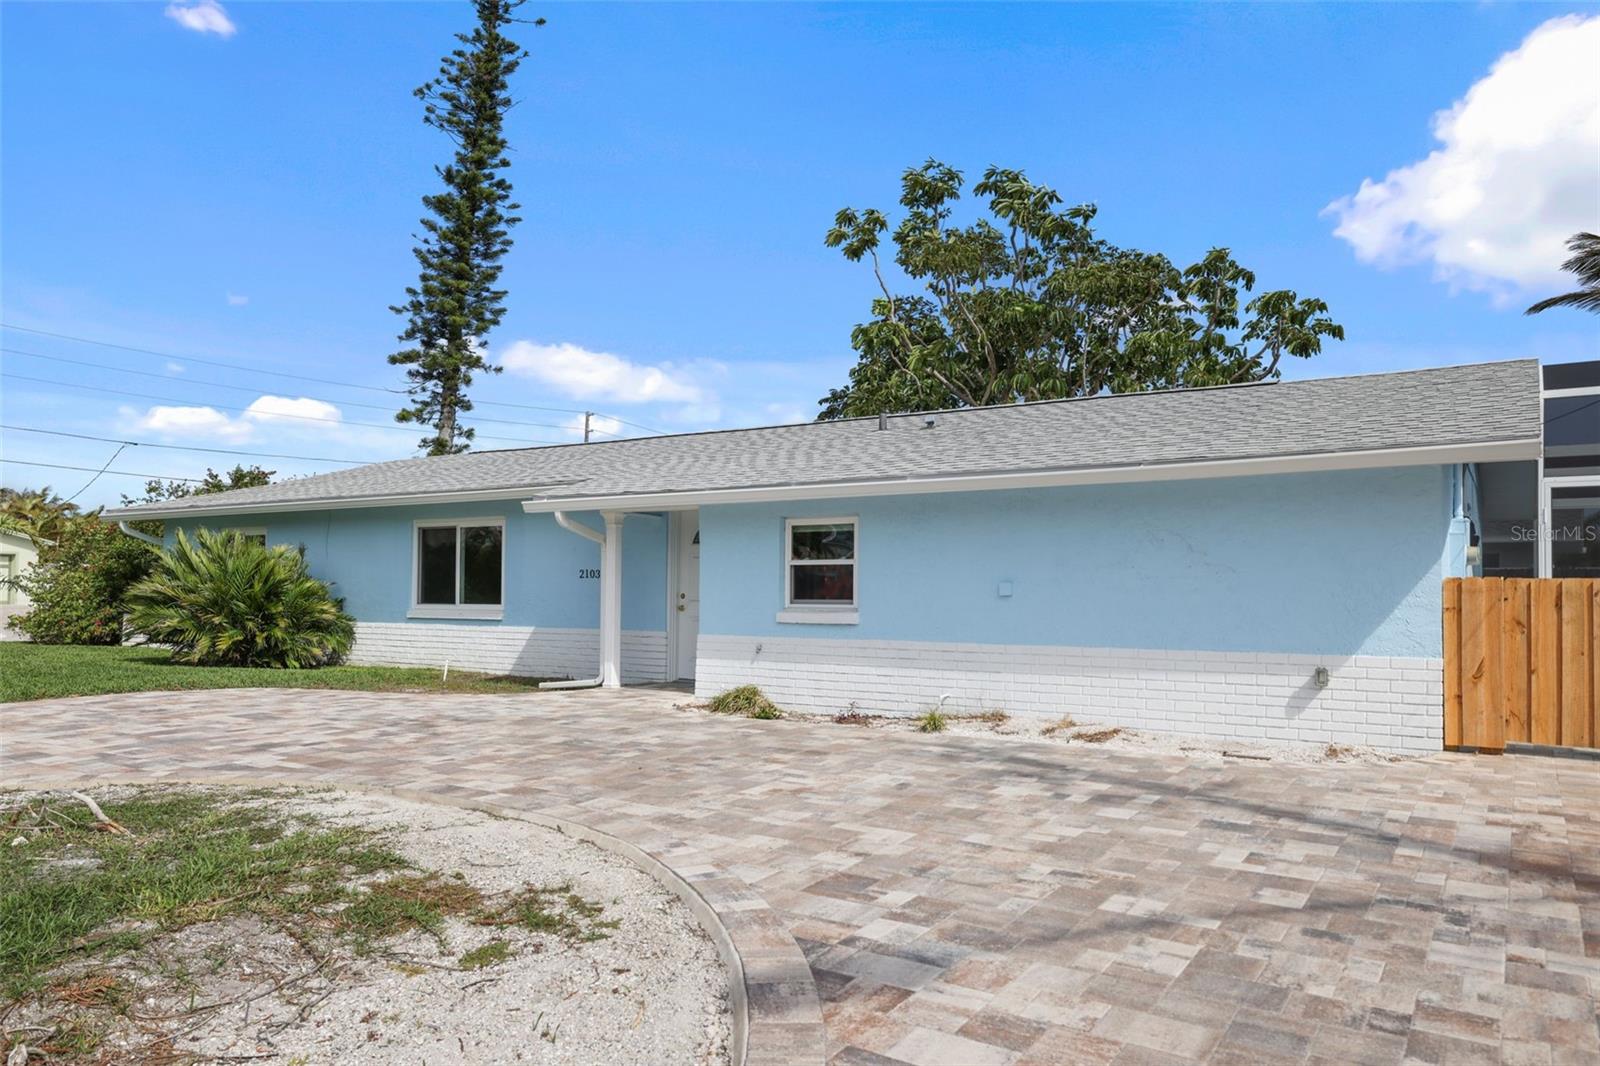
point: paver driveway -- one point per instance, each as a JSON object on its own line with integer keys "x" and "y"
{"x": 972, "y": 900}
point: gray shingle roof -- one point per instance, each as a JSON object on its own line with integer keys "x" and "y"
{"x": 1480, "y": 403}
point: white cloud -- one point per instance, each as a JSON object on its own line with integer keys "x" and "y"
{"x": 206, "y": 16}
{"x": 280, "y": 413}
{"x": 585, "y": 375}
{"x": 192, "y": 422}
{"x": 174, "y": 368}
{"x": 235, "y": 300}
{"x": 1516, "y": 173}
{"x": 294, "y": 409}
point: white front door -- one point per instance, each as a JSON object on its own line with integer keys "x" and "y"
{"x": 686, "y": 605}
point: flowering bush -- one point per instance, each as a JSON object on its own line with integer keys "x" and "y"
{"x": 79, "y": 585}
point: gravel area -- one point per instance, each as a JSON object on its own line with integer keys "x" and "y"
{"x": 653, "y": 990}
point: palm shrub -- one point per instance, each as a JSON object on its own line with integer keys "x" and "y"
{"x": 222, "y": 600}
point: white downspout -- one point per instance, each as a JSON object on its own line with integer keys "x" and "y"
{"x": 610, "y": 600}
{"x": 136, "y": 535}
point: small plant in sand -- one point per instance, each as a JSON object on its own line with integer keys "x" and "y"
{"x": 484, "y": 955}
{"x": 934, "y": 721}
{"x": 747, "y": 701}
{"x": 1065, "y": 723}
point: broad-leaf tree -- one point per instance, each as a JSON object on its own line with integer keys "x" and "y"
{"x": 158, "y": 491}
{"x": 457, "y": 302}
{"x": 240, "y": 477}
{"x": 1584, "y": 264}
{"x": 1030, "y": 304}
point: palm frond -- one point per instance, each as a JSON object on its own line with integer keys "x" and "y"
{"x": 221, "y": 600}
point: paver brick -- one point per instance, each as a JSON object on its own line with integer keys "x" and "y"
{"x": 967, "y": 899}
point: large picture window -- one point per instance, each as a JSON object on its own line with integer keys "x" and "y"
{"x": 820, "y": 562}
{"x": 460, "y": 568}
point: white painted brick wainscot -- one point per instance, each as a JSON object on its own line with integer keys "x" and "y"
{"x": 1390, "y": 703}
{"x": 525, "y": 650}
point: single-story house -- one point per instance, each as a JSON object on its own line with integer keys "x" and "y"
{"x": 1256, "y": 561}
{"x": 17, "y": 553}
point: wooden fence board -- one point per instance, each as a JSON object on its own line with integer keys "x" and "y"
{"x": 1514, "y": 661}
{"x": 1575, "y": 631}
{"x": 1521, "y": 662}
{"x": 1546, "y": 688}
{"x": 1452, "y": 662}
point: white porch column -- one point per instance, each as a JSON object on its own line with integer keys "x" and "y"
{"x": 611, "y": 602}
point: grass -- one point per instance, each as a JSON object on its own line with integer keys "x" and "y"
{"x": 79, "y": 903}
{"x": 400, "y": 904}
{"x": 1066, "y": 722}
{"x": 934, "y": 721}
{"x": 557, "y": 911}
{"x": 43, "y": 671}
{"x": 74, "y": 889}
{"x": 485, "y": 955}
{"x": 746, "y": 700}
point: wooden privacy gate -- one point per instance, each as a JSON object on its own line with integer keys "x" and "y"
{"x": 1521, "y": 662}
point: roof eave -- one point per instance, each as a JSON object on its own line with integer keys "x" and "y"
{"x": 1481, "y": 451}
{"x": 1473, "y": 452}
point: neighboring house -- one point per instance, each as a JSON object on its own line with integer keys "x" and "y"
{"x": 1178, "y": 560}
{"x": 17, "y": 553}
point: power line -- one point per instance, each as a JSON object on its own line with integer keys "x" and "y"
{"x": 248, "y": 388}
{"x": 197, "y": 359}
{"x": 303, "y": 377}
{"x": 97, "y": 471}
{"x": 246, "y": 410}
{"x": 188, "y": 448}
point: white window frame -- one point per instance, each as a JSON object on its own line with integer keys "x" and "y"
{"x": 1544, "y": 554}
{"x": 483, "y": 611}
{"x": 8, "y": 571}
{"x": 837, "y": 614}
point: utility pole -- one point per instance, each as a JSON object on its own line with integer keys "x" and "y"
{"x": 587, "y": 417}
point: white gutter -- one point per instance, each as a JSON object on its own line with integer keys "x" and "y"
{"x": 136, "y": 535}
{"x": 1487, "y": 452}
{"x": 610, "y": 542}
{"x": 329, "y": 503}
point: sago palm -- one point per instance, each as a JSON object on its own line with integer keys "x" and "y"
{"x": 1585, "y": 264}
{"x": 222, "y": 600}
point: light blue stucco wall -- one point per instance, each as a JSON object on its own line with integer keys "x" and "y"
{"x": 366, "y": 554}
{"x": 1345, "y": 562}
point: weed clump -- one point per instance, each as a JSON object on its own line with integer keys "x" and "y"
{"x": 747, "y": 701}
{"x": 934, "y": 721}
{"x": 1066, "y": 722}
{"x": 484, "y": 955}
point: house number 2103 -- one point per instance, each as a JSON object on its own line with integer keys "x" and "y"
{"x": 588, "y": 571}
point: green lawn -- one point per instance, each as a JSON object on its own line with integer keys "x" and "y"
{"x": 42, "y": 671}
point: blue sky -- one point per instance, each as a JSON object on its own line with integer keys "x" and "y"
{"x": 248, "y": 196}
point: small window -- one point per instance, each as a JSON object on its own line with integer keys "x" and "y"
{"x": 254, "y": 534}
{"x": 821, "y": 562}
{"x": 460, "y": 568}
{"x": 8, "y": 570}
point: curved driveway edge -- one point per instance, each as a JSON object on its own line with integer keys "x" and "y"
{"x": 777, "y": 1020}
